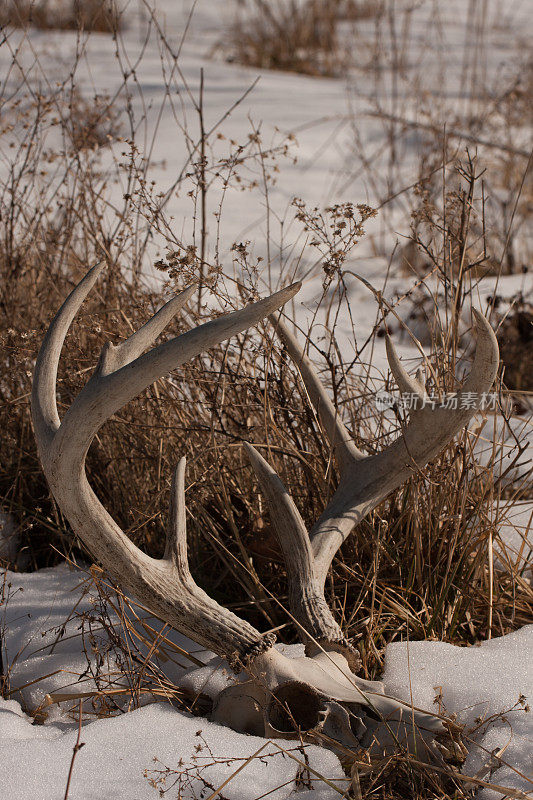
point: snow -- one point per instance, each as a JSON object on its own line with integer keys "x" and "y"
{"x": 117, "y": 752}
{"x": 55, "y": 622}
{"x": 38, "y": 642}
{"x": 17, "y": 726}
{"x": 48, "y": 622}
{"x": 488, "y": 686}
{"x": 514, "y": 545}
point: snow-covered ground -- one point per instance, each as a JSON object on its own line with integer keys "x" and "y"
{"x": 487, "y": 686}
{"x": 322, "y": 113}
{"x": 52, "y": 635}
{"x": 126, "y": 757}
{"x": 53, "y": 631}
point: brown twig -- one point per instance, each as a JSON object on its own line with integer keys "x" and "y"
{"x": 75, "y": 750}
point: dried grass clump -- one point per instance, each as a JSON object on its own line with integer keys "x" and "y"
{"x": 296, "y": 36}
{"x": 91, "y": 123}
{"x": 291, "y": 36}
{"x": 495, "y": 222}
{"x": 99, "y": 16}
{"x": 357, "y": 10}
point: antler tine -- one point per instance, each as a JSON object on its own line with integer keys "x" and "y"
{"x": 106, "y": 392}
{"x": 306, "y": 594}
{"x": 113, "y": 357}
{"x": 343, "y": 447}
{"x": 486, "y": 359}
{"x": 46, "y": 417}
{"x": 290, "y": 527}
{"x": 164, "y": 585}
{"x": 176, "y": 545}
{"x": 44, "y": 403}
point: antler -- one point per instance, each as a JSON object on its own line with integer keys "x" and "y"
{"x": 309, "y": 690}
{"x": 364, "y": 480}
{"x": 164, "y": 585}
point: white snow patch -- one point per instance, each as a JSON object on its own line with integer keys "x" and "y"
{"x": 117, "y": 751}
{"x": 16, "y": 726}
{"x": 484, "y": 685}
{"x": 44, "y": 634}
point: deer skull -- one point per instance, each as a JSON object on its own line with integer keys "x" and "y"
{"x": 317, "y": 698}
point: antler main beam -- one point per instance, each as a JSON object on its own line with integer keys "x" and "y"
{"x": 164, "y": 585}
{"x": 364, "y": 480}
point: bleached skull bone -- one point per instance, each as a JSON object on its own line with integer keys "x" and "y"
{"x": 314, "y": 695}
{"x": 317, "y": 698}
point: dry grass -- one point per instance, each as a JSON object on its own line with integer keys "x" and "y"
{"x": 99, "y": 16}
{"x": 296, "y": 36}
